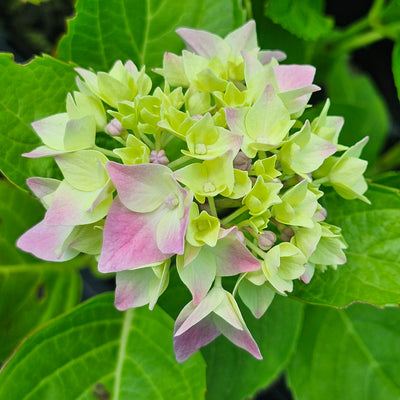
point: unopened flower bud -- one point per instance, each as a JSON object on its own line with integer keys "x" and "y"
{"x": 158, "y": 157}
{"x": 114, "y": 127}
{"x": 287, "y": 234}
{"x": 320, "y": 215}
{"x": 242, "y": 162}
{"x": 266, "y": 240}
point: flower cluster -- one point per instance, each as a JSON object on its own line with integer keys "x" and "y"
{"x": 219, "y": 178}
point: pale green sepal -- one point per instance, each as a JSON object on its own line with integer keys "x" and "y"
{"x": 113, "y": 91}
{"x": 202, "y": 228}
{"x": 266, "y": 168}
{"x": 209, "y": 178}
{"x": 135, "y": 152}
{"x": 256, "y": 297}
{"x": 51, "y": 130}
{"x": 82, "y": 104}
{"x": 241, "y": 187}
{"x": 177, "y": 122}
{"x": 87, "y": 238}
{"x": 306, "y": 239}
{"x": 262, "y": 196}
{"x": 330, "y": 247}
{"x": 80, "y": 133}
{"x": 197, "y": 103}
{"x": 84, "y": 170}
{"x": 298, "y": 206}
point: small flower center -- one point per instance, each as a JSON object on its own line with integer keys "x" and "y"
{"x": 200, "y": 148}
{"x": 171, "y": 201}
{"x": 208, "y": 187}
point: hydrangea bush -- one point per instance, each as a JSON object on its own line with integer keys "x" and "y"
{"x": 216, "y": 190}
{"x": 216, "y": 175}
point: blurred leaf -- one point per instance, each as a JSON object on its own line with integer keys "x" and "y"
{"x": 103, "y": 32}
{"x": 396, "y": 66}
{"x": 372, "y": 271}
{"x": 32, "y": 294}
{"x": 98, "y": 352}
{"x": 355, "y": 97}
{"x": 303, "y": 18}
{"x": 272, "y": 36}
{"x": 234, "y": 374}
{"x": 27, "y": 93}
{"x": 391, "y": 179}
{"x": 348, "y": 354}
{"x": 19, "y": 211}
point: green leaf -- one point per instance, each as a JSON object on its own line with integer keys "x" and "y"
{"x": 391, "y": 179}
{"x": 105, "y": 31}
{"x": 273, "y": 36}
{"x": 98, "y": 352}
{"x": 234, "y": 374}
{"x": 32, "y": 294}
{"x": 348, "y": 354}
{"x": 372, "y": 271}
{"x": 396, "y": 66}
{"x": 303, "y": 18}
{"x": 19, "y": 211}
{"x": 355, "y": 97}
{"x": 28, "y": 93}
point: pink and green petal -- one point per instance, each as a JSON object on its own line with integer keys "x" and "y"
{"x": 232, "y": 255}
{"x": 45, "y": 241}
{"x": 142, "y": 187}
{"x": 74, "y": 207}
{"x": 129, "y": 240}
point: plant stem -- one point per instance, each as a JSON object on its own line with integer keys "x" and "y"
{"x": 235, "y": 214}
{"x": 211, "y": 203}
{"x": 145, "y": 139}
{"x": 179, "y": 161}
{"x": 253, "y": 247}
{"x": 218, "y": 282}
{"x": 106, "y": 152}
{"x": 358, "y": 41}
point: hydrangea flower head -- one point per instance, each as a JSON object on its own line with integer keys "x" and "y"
{"x": 213, "y": 175}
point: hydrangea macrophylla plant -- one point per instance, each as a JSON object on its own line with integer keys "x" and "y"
{"x": 217, "y": 174}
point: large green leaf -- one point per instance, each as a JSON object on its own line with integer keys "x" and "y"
{"x": 355, "y": 97}
{"x": 348, "y": 354}
{"x": 28, "y": 93}
{"x": 372, "y": 271}
{"x": 234, "y": 374}
{"x": 32, "y": 294}
{"x": 141, "y": 30}
{"x": 98, "y": 352}
{"x": 303, "y": 18}
{"x": 19, "y": 211}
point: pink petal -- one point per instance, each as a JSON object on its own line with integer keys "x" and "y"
{"x": 42, "y": 187}
{"x": 43, "y": 151}
{"x": 265, "y": 56}
{"x": 206, "y": 307}
{"x": 293, "y": 76}
{"x": 194, "y": 338}
{"x": 70, "y": 206}
{"x": 129, "y": 239}
{"x": 132, "y": 288}
{"x": 44, "y": 241}
{"x": 232, "y": 255}
{"x": 244, "y": 38}
{"x": 142, "y": 187}
{"x": 172, "y": 227}
{"x": 241, "y": 338}
{"x": 203, "y": 43}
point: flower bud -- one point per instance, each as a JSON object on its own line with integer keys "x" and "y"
{"x": 287, "y": 234}
{"x": 158, "y": 157}
{"x": 114, "y": 127}
{"x": 242, "y": 162}
{"x": 266, "y": 240}
{"x": 320, "y": 215}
